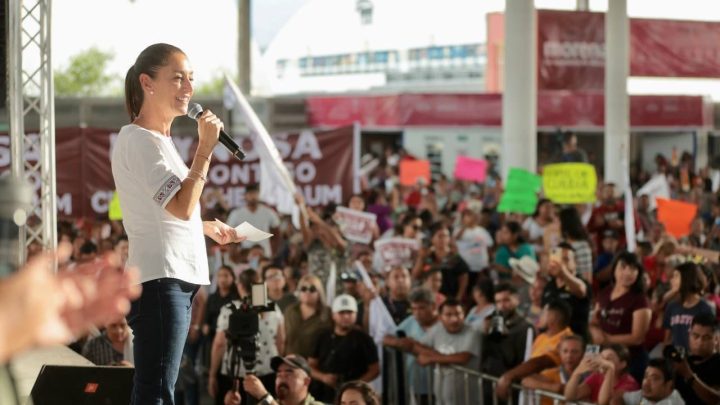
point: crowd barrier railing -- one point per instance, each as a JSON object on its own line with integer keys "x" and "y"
{"x": 451, "y": 385}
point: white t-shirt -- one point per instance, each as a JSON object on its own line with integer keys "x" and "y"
{"x": 636, "y": 398}
{"x": 535, "y": 230}
{"x": 473, "y": 247}
{"x": 148, "y": 172}
{"x": 263, "y": 218}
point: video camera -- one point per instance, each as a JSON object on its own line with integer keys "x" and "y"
{"x": 674, "y": 353}
{"x": 498, "y": 329}
{"x": 244, "y": 327}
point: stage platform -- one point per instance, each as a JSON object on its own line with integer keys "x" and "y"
{"x": 26, "y": 367}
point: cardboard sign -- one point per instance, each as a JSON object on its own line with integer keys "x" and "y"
{"x": 570, "y": 183}
{"x": 356, "y": 226}
{"x": 518, "y": 203}
{"x": 676, "y": 216}
{"x": 412, "y": 170}
{"x": 470, "y": 169}
{"x": 396, "y": 252}
{"x": 520, "y": 195}
{"x": 114, "y": 211}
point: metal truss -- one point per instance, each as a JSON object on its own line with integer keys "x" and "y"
{"x": 30, "y": 97}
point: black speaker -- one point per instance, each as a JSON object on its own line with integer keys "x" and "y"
{"x": 83, "y": 385}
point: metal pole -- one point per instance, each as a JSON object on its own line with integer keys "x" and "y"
{"x": 47, "y": 133}
{"x": 15, "y": 105}
{"x": 244, "y": 36}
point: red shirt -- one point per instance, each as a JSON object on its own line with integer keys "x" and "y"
{"x": 616, "y": 316}
{"x": 608, "y": 213}
{"x": 626, "y": 383}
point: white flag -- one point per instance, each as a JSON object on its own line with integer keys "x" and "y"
{"x": 657, "y": 186}
{"x": 276, "y": 185}
{"x": 381, "y": 323}
{"x": 629, "y": 220}
{"x": 331, "y": 284}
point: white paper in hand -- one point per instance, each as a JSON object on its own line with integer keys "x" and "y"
{"x": 251, "y": 233}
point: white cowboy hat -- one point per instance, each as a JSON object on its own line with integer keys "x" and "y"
{"x": 525, "y": 267}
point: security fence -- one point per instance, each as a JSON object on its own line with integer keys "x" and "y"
{"x": 407, "y": 383}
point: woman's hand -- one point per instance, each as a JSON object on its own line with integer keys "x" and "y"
{"x": 221, "y": 232}
{"x": 209, "y": 126}
{"x": 587, "y": 364}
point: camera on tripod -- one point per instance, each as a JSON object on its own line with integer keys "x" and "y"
{"x": 244, "y": 327}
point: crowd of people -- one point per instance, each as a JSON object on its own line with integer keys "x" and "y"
{"x": 551, "y": 301}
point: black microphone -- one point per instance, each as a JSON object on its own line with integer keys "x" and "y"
{"x": 195, "y": 110}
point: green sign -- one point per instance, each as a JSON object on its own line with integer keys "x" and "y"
{"x": 520, "y": 193}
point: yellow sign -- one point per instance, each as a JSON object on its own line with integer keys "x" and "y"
{"x": 114, "y": 212}
{"x": 570, "y": 183}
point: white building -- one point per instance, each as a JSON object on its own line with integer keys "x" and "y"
{"x": 397, "y": 45}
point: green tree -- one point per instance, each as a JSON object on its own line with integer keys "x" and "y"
{"x": 213, "y": 87}
{"x": 86, "y": 75}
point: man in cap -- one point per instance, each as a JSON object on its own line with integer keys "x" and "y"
{"x": 292, "y": 382}
{"x": 343, "y": 353}
{"x": 350, "y": 286}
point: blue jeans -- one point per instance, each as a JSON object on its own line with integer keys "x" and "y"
{"x": 160, "y": 320}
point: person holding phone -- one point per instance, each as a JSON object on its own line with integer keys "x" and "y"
{"x": 565, "y": 285}
{"x": 608, "y": 367}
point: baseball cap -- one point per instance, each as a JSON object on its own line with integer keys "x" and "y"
{"x": 292, "y": 360}
{"x": 344, "y": 302}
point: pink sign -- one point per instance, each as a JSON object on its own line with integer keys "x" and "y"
{"x": 467, "y": 168}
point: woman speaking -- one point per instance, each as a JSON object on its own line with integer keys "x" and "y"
{"x": 160, "y": 197}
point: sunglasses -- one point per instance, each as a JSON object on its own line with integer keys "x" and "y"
{"x": 308, "y": 288}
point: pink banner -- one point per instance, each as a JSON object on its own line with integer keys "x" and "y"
{"x": 470, "y": 169}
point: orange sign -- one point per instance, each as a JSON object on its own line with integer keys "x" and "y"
{"x": 412, "y": 170}
{"x": 676, "y": 216}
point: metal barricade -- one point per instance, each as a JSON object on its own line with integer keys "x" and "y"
{"x": 452, "y": 385}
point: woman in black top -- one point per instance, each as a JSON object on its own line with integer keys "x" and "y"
{"x": 226, "y": 292}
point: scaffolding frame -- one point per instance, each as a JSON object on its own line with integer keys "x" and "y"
{"x": 31, "y": 95}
